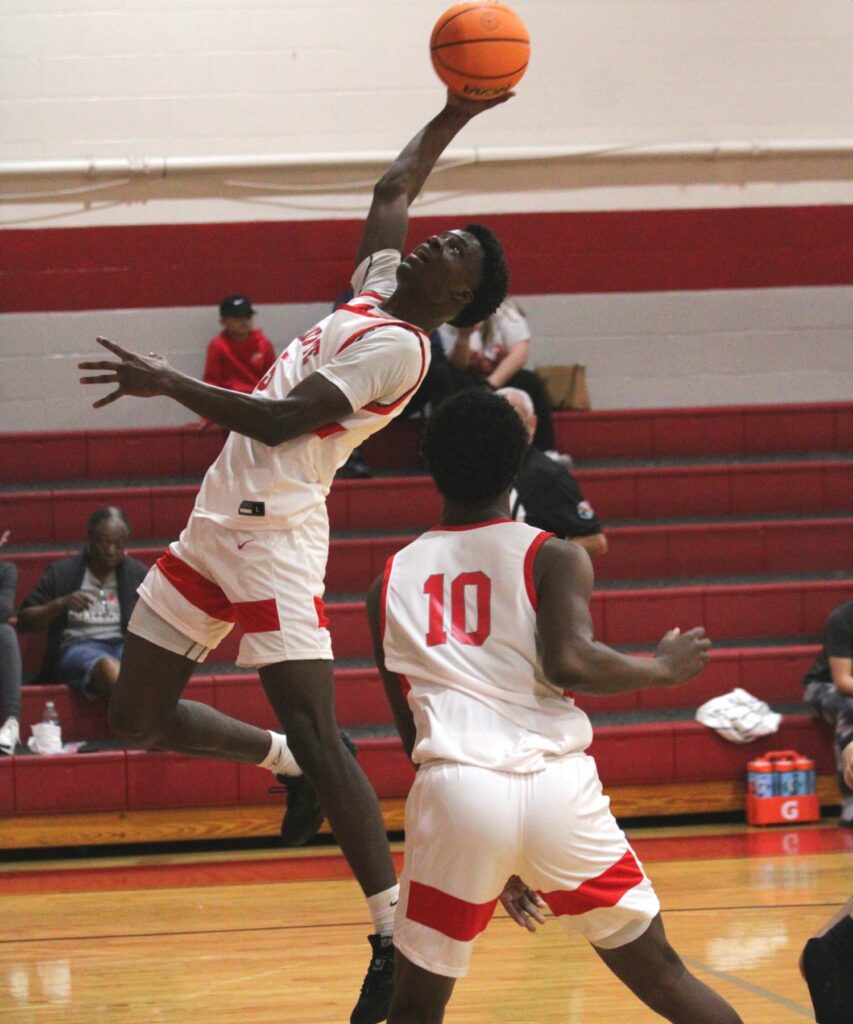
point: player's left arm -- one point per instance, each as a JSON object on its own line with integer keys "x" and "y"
{"x": 388, "y": 218}
{"x": 312, "y": 404}
{"x": 403, "y": 718}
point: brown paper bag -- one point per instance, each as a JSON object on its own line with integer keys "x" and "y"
{"x": 565, "y": 386}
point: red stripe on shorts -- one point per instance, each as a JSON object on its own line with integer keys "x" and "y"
{"x": 257, "y": 616}
{"x": 197, "y": 589}
{"x": 604, "y": 891}
{"x": 458, "y": 919}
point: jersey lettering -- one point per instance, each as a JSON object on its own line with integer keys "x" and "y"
{"x": 310, "y": 343}
{"x": 463, "y": 632}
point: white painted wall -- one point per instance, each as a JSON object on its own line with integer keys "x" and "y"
{"x": 641, "y": 351}
{"x": 160, "y": 77}
{"x": 125, "y": 78}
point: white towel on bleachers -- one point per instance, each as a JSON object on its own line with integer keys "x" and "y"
{"x": 738, "y": 716}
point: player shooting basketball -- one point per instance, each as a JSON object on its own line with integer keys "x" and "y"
{"x": 254, "y": 550}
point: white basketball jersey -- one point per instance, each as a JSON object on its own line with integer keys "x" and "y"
{"x": 459, "y": 626}
{"x": 376, "y": 361}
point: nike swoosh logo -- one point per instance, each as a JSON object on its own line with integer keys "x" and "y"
{"x": 245, "y": 542}
{"x": 393, "y": 903}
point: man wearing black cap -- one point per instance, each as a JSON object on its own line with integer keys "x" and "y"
{"x": 239, "y": 356}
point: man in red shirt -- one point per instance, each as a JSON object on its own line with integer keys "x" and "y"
{"x": 239, "y": 356}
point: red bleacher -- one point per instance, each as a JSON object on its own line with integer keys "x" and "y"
{"x": 768, "y": 500}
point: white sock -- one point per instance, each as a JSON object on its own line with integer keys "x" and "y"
{"x": 279, "y": 760}
{"x": 382, "y": 907}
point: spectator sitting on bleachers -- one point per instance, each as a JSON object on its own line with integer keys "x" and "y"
{"x": 239, "y": 356}
{"x": 494, "y": 353}
{"x": 10, "y": 658}
{"x": 84, "y": 601}
{"x": 546, "y": 494}
{"x": 829, "y": 690}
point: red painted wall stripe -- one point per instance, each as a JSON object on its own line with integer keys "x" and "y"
{"x": 447, "y": 914}
{"x": 143, "y": 266}
{"x": 604, "y": 891}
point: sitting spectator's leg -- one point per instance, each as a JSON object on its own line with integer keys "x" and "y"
{"x": 10, "y": 688}
{"x": 91, "y": 666}
{"x": 527, "y": 381}
{"x": 837, "y": 709}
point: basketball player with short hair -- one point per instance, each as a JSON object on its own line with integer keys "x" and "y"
{"x": 255, "y": 547}
{"x": 480, "y": 628}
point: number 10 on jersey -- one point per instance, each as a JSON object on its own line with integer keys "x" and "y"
{"x": 468, "y": 592}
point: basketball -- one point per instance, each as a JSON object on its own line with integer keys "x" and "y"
{"x": 479, "y": 50}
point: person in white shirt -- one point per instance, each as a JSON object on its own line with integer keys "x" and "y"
{"x": 254, "y": 551}
{"x": 481, "y": 627}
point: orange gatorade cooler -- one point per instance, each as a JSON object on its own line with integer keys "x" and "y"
{"x": 777, "y": 789}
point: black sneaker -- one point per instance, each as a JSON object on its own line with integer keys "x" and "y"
{"x": 374, "y": 1000}
{"x": 303, "y": 814}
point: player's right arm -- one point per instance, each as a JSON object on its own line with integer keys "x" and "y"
{"x": 313, "y": 403}
{"x": 571, "y": 656}
{"x": 403, "y": 717}
{"x": 388, "y": 217}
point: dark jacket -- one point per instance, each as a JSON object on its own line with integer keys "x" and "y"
{"x": 66, "y": 576}
{"x": 552, "y": 498}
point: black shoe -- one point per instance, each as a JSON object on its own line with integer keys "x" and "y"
{"x": 303, "y": 815}
{"x": 355, "y": 468}
{"x": 828, "y": 967}
{"x": 374, "y": 1000}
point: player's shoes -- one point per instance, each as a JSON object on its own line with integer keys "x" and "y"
{"x": 303, "y": 815}
{"x": 374, "y": 1000}
{"x": 9, "y": 736}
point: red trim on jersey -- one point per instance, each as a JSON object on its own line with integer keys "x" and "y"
{"x": 458, "y": 919}
{"x": 405, "y": 685}
{"x": 383, "y": 597}
{"x": 197, "y": 589}
{"x": 360, "y": 310}
{"x": 529, "y": 559}
{"x": 604, "y": 891}
{"x": 466, "y": 526}
{"x": 257, "y": 616}
{"x": 385, "y": 410}
{"x": 328, "y": 430}
{"x": 322, "y": 617}
{"x": 373, "y": 295}
{"x": 422, "y": 335}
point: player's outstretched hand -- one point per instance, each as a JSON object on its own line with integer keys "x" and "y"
{"x": 522, "y": 903}
{"x": 473, "y": 107}
{"x": 140, "y": 376}
{"x": 685, "y": 654}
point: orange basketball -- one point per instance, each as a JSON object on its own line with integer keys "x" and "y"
{"x": 479, "y": 50}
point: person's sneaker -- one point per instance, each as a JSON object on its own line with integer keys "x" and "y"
{"x": 9, "y": 736}
{"x": 355, "y": 468}
{"x": 303, "y": 814}
{"x": 374, "y": 1000}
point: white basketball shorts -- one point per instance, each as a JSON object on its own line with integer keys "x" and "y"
{"x": 468, "y": 829}
{"x": 269, "y": 583}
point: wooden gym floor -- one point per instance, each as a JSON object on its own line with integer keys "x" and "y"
{"x": 274, "y": 935}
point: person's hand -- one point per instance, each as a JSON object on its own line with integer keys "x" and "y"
{"x": 470, "y": 108}
{"x": 4, "y": 537}
{"x": 77, "y": 601}
{"x": 685, "y": 654}
{"x": 140, "y": 376}
{"x": 522, "y": 903}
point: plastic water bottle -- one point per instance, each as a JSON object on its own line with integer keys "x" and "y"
{"x": 785, "y": 777}
{"x": 806, "y": 776}
{"x": 760, "y": 777}
{"x": 50, "y": 715}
